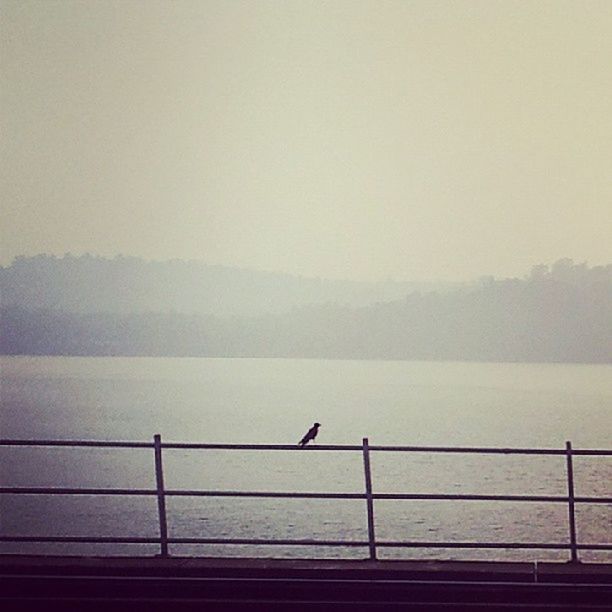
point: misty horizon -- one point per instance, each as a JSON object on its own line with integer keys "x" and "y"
{"x": 284, "y": 272}
{"x": 127, "y": 306}
{"x": 8, "y": 262}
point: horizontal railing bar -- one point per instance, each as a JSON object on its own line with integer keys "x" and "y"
{"x": 388, "y": 544}
{"x": 482, "y": 497}
{"x": 281, "y": 447}
{"x": 73, "y": 491}
{"x": 79, "y": 443}
{"x": 304, "y": 542}
{"x": 593, "y": 500}
{"x": 491, "y": 545}
{"x": 387, "y": 496}
{"x": 470, "y": 497}
{"x": 414, "y": 449}
{"x": 488, "y": 450}
{"x": 179, "y": 445}
{"x": 265, "y": 542}
{"x": 278, "y": 494}
{"x": 127, "y": 540}
{"x": 299, "y": 495}
{"x": 177, "y": 493}
{"x": 524, "y": 545}
{"x": 81, "y": 539}
{"x": 469, "y": 449}
{"x": 316, "y": 447}
{"x": 488, "y": 545}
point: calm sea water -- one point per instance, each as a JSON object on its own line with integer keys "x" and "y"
{"x": 275, "y": 401}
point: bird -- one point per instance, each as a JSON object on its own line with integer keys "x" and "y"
{"x": 311, "y": 434}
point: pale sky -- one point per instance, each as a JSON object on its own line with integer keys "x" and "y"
{"x": 414, "y": 139}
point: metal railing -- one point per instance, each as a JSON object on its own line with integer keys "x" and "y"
{"x": 369, "y": 496}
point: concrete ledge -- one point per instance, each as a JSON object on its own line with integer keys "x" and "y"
{"x": 187, "y": 583}
{"x": 422, "y": 570}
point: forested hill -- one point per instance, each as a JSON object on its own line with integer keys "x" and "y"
{"x": 129, "y": 285}
{"x": 561, "y": 313}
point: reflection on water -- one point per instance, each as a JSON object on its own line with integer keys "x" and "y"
{"x": 274, "y": 401}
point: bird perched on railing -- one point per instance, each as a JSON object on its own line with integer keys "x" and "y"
{"x": 311, "y": 434}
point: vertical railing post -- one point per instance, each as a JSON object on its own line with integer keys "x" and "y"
{"x": 369, "y": 500}
{"x": 161, "y": 498}
{"x": 571, "y": 502}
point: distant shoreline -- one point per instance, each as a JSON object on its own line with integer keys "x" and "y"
{"x": 298, "y": 358}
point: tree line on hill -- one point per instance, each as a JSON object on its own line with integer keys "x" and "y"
{"x": 558, "y": 313}
{"x": 130, "y": 285}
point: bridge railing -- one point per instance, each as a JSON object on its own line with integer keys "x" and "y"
{"x": 368, "y": 495}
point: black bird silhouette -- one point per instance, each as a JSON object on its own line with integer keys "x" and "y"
{"x": 311, "y": 434}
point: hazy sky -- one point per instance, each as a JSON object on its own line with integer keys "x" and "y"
{"x": 410, "y": 139}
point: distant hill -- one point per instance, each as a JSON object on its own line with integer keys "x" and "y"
{"x": 559, "y": 313}
{"x": 129, "y": 285}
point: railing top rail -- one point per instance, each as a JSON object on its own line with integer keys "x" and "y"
{"x": 81, "y": 443}
{"x": 316, "y": 447}
{"x": 281, "y": 447}
{"x": 491, "y": 450}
